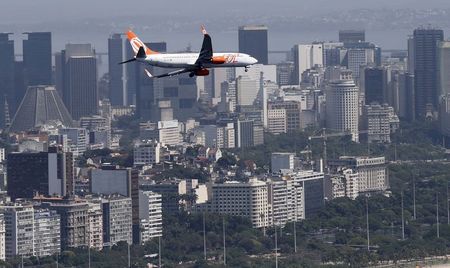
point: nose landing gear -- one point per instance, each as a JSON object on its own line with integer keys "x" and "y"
{"x": 246, "y": 68}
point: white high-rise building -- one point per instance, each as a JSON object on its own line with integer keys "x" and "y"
{"x": 150, "y": 215}
{"x": 117, "y": 223}
{"x": 78, "y": 139}
{"x": 247, "y": 90}
{"x": 342, "y": 103}
{"x": 242, "y": 199}
{"x": 47, "y": 233}
{"x": 169, "y": 132}
{"x": 306, "y": 57}
{"x": 19, "y": 225}
{"x": 95, "y": 232}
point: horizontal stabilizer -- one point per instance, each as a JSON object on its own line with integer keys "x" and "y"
{"x": 127, "y": 61}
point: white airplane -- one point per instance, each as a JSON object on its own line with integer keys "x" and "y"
{"x": 192, "y": 63}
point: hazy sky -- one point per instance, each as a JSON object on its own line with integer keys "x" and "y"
{"x": 49, "y": 10}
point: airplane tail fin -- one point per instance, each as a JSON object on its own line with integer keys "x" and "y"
{"x": 136, "y": 44}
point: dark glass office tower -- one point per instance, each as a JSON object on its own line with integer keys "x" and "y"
{"x": 7, "y": 95}
{"x": 352, "y": 36}
{"x": 425, "y": 70}
{"x": 253, "y": 40}
{"x": 375, "y": 85}
{"x": 76, "y": 69}
{"x": 37, "y": 58}
{"x": 46, "y": 173}
{"x": 115, "y": 55}
{"x": 145, "y": 86}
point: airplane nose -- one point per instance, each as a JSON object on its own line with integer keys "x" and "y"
{"x": 253, "y": 60}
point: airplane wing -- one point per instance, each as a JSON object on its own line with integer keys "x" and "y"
{"x": 176, "y": 72}
{"x": 206, "y": 52}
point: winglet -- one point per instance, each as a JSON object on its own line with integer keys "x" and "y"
{"x": 202, "y": 28}
{"x": 148, "y": 73}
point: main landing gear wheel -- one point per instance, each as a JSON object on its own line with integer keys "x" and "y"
{"x": 246, "y": 69}
{"x": 191, "y": 74}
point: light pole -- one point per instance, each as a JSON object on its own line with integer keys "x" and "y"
{"x": 403, "y": 221}
{"x": 295, "y": 238}
{"x": 159, "y": 252}
{"x": 204, "y": 236}
{"x": 437, "y": 214}
{"x": 224, "y": 246}
{"x": 276, "y": 247}
{"x": 367, "y": 223}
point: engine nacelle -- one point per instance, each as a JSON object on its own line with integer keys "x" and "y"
{"x": 202, "y": 72}
{"x": 218, "y": 60}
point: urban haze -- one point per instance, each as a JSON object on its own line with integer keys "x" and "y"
{"x": 232, "y": 133}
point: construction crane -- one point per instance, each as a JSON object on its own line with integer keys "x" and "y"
{"x": 324, "y": 136}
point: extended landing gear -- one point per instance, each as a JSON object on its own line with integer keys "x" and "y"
{"x": 246, "y": 68}
{"x": 191, "y": 74}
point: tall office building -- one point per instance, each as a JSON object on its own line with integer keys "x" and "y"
{"x": 443, "y": 57}
{"x": 147, "y": 91}
{"x": 7, "y": 90}
{"x": 352, "y": 36}
{"x": 253, "y": 40}
{"x": 359, "y": 57}
{"x": 41, "y": 105}
{"x": 150, "y": 213}
{"x": 306, "y": 57}
{"x": 376, "y": 85}
{"x": 37, "y": 58}
{"x": 116, "y": 71}
{"x": 342, "y": 112}
{"x": 426, "y": 70}
{"x": 117, "y": 220}
{"x": 77, "y": 77}
{"x": 46, "y": 173}
{"x": 247, "y": 90}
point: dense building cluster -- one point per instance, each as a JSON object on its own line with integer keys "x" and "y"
{"x": 92, "y": 162}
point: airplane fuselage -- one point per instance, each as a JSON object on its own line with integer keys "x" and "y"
{"x": 187, "y": 60}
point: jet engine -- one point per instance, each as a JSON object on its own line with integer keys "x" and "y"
{"x": 218, "y": 60}
{"x": 202, "y": 72}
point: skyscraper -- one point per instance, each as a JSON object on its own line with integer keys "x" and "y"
{"x": 7, "y": 96}
{"x": 425, "y": 70}
{"x": 116, "y": 71}
{"x": 375, "y": 85}
{"x": 77, "y": 75}
{"x": 342, "y": 107}
{"x": 37, "y": 58}
{"x": 46, "y": 173}
{"x": 443, "y": 58}
{"x": 352, "y": 36}
{"x": 147, "y": 91}
{"x": 306, "y": 57}
{"x": 253, "y": 40}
